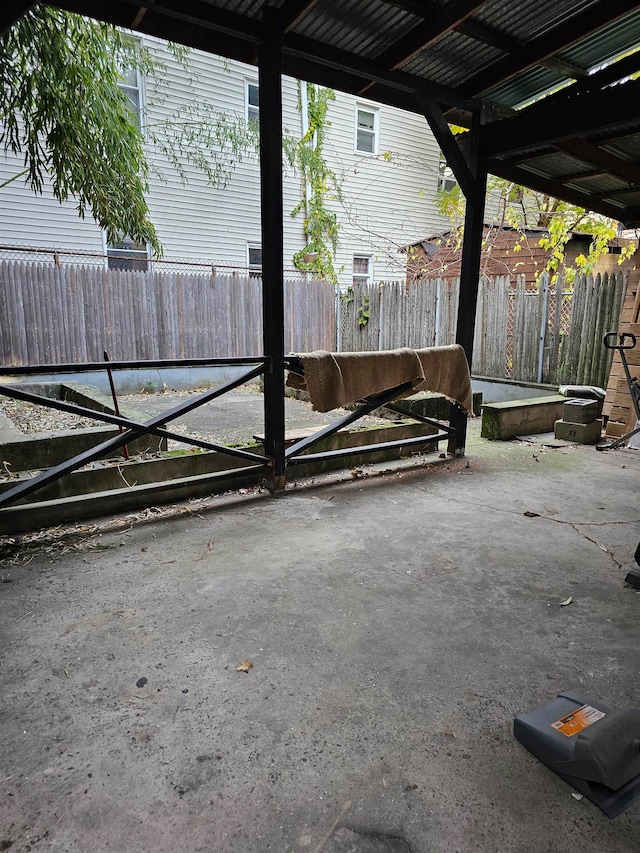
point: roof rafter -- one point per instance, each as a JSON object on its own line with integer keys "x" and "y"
{"x": 370, "y": 70}
{"x": 590, "y": 153}
{"x": 541, "y": 125}
{"x": 426, "y": 33}
{"x": 293, "y": 11}
{"x": 549, "y": 186}
{"x": 551, "y": 42}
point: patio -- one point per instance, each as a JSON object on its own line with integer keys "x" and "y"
{"x": 396, "y": 623}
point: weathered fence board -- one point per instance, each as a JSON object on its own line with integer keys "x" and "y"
{"x": 57, "y": 314}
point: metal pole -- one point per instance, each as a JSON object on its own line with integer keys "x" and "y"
{"x": 270, "y": 81}
{"x": 116, "y": 407}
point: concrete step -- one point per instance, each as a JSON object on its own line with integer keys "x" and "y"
{"x": 502, "y": 421}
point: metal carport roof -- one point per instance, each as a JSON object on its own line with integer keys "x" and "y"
{"x": 492, "y": 55}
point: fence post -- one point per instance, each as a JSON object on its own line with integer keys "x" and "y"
{"x": 543, "y": 290}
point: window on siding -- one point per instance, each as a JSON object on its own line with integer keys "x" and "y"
{"x": 361, "y": 269}
{"x": 127, "y": 255}
{"x": 446, "y": 179}
{"x": 252, "y": 102}
{"x": 366, "y": 131}
{"x": 132, "y": 87}
{"x": 254, "y": 258}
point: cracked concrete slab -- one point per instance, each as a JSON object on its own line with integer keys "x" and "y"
{"x": 396, "y": 624}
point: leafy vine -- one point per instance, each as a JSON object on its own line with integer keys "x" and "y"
{"x": 320, "y": 222}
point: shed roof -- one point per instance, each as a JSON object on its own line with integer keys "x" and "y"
{"x": 580, "y": 143}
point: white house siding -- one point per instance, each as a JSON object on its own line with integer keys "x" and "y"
{"x": 36, "y": 221}
{"x": 387, "y": 202}
{"x": 388, "y": 198}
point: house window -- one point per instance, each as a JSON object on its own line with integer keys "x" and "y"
{"x": 252, "y": 102}
{"x": 254, "y": 258}
{"x": 361, "y": 269}
{"x": 127, "y": 255}
{"x": 366, "y": 131}
{"x": 132, "y": 87}
{"x": 446, "y": 179}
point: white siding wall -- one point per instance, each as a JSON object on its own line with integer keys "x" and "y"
{"x": 387, "y": 201}
{"x": 388, "y": 198}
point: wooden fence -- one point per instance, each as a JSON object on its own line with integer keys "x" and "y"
{"x": 56, "y": 314}
{"x": 552, "y": 334}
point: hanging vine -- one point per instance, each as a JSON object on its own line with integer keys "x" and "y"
{"x": 319, "y": 187}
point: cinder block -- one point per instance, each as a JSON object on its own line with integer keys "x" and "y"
{"x": 580, "y": 411}
{"x": 578, "y": 433}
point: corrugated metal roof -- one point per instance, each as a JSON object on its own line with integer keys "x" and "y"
{"x": 556, "y": 164}
{"x": 523, "y": 87}
{"x": 528, "y": 21}
{"x": 599, "y": 184}
{"x": 511, "y": 53}
{"x": 366, "y": 27}
{"x": 610, "y": 42}
{"x": 452, "y": 60}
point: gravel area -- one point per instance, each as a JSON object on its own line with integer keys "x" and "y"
{"x": 31, "y": 419}
{"x": 234, "y": 418}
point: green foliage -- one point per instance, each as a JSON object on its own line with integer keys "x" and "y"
{"x": 521, "y": 208}
{"x": 364, "y": 313}
{"x": 204, "y": 138}
{"x": 320, "y": 223}
{"x": 61, "y": 106}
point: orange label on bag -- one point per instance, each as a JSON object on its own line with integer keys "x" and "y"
{"x": 577, "y": 721}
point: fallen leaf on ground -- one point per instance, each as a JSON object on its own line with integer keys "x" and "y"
{"x": 566, "y": 602}
{"x": 449, "y": 733}
{"x": 245, "y": 666}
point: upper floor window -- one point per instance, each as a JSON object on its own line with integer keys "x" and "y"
{"x": 366, "y": 131}
{"x": 131, "y": 85}
{"x": 361, "y": 269}
{"x": 252, "y": 102}
{"x": 446, "y": 179}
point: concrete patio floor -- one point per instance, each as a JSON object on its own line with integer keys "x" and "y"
{"x": 395, "y": 624}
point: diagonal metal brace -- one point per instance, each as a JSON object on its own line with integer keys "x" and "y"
{"x": 119, "y": 420}
{"x": 365, "y": 408}
{"x": 52, "y": 474}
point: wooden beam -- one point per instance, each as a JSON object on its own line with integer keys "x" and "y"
{"x": 371, "y": 70}
{"x": 513, "y": 172}
{"x": 294, "y": 11}
{"x": 605, "y": 160}
{"x": 540, "y": 125}
{"x": 429, "y": 31}
{"x": 448, "y": 145}
{"x": 10, "y": 12}
{"x": 187, "y": 20}
{"x": 426, "y": 33}
{"x": 569, "y": 32}
{"x": 271, "y": 207}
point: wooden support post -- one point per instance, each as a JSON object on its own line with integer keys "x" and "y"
{"x": 270, "y": 82}
{"x": 470, "y": 269}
